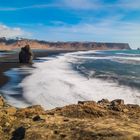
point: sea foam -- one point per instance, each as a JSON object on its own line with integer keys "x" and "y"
{"x": 54, "y": 83}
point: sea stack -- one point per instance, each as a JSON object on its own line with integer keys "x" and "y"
{"x": 25, "y": 55}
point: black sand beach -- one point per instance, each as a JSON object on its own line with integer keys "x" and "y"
{"x": 5, "y": 66}
{"x": 7, "y": 62}
{"x": 10, "y": 61}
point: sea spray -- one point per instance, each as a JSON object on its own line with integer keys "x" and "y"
{"x": 56, "y": 83}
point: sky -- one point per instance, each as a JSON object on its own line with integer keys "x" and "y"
{"x": 72, "y": 20}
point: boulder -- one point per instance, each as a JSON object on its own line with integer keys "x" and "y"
{"x": 25, "y": 55}
{"x": 117, "y": 102}
{"x": 86, "y": 102}
{"x": 19, "y": 133}
{"x": 1, "y": 101}
{"x": 103, "y": 102}
{"x": 133, "y": 106}
{"x": 117, "y": 108}
{"x": 39, "y": 118}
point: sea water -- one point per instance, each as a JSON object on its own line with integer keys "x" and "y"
{"x": 90, "y": 75}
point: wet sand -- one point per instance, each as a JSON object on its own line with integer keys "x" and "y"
{"x": 5, "y": 66}
{"x": 11, "y": 61}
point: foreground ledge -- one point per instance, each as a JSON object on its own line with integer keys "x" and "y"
{"x": 88, "y": 120}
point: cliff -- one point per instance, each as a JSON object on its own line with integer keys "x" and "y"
{"x": 88, "y": 120}
{"x": 10, "y": 44}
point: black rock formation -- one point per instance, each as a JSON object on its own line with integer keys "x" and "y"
{"x": 25, "y": 55}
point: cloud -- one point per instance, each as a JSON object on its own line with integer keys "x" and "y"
{"x": 8, "y": 9}
{"x": 129, "y": 4}
{"x": 9, "y": 32}
{"x": 96, "y": 25}
{"x": 103, "y": 31}
{"x": 74, "y": 4}
{"x": 81, "y": 4}
{"x": 39, "y": 6}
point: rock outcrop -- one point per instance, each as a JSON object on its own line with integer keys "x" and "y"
{"x": 87, "y": 120}
{"x": 25, "y": 55}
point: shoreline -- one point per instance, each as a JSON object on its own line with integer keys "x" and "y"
{"x": 104, "y": 119}
{"x": 10, "y": 61}
{"x": 13, "y": 90}
{"x": 5, "y": 66}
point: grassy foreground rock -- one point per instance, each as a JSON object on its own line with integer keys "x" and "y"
{"x": 87, "y": 120}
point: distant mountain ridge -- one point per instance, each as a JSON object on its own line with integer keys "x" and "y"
{"x": 10, "y": 44}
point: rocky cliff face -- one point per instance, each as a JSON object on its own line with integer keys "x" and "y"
{"x": 16, "y": 43}
{"x": 88, "y": 120}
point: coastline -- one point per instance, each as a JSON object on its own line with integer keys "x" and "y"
{"x": 11, "y": 61}
{"x": 104, "y": 119}
{"x": 60, "y": 70}
{"x": 5, "y": 66}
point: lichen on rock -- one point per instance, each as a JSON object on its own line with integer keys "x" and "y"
{"x": 100, "y": 120}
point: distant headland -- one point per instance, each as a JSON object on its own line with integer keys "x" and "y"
{"x": 11, "y": 44}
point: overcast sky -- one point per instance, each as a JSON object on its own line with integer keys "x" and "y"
{"x": 72, "y": 20}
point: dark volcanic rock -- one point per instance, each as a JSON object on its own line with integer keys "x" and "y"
{"x": 19, "y": 134}
{"x": 25, "y": 55}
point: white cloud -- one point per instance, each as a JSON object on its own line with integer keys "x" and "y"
{"x": 7, "y": 9}
{"x": 81, "y": 4}
{"x": 72, "y": 4}
{"x": 129, "y": 4}
{"x": 29, "y": 7}
{"x": 103, "y": 31}
{"x": 9, "y": 32}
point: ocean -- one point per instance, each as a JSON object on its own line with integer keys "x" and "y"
{"x": 67, "y": 78}
{"x": 4, "y": 53}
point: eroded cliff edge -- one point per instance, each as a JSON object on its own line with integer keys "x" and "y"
{"x": 88, "y": 120}
{"x": 10, "y": 44}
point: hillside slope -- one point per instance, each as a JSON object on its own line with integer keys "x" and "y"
{"x": 10, "y": 44}
{"x": 85, "y": 121}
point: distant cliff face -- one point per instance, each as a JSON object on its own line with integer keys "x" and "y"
{"x": 36, "y": 44}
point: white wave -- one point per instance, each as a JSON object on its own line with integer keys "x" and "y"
{"x": 128, "y": 54}
{"x": 12, "y": 88}
{"x": 54, "y": 84}
{"x": 16, "y": 102}
{"x": 129, "y": 58}
{"x": 84, "y": 52}
{"x": 77, "y": 55}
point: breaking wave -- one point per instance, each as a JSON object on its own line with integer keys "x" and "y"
{"x": 55, "y": 82}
